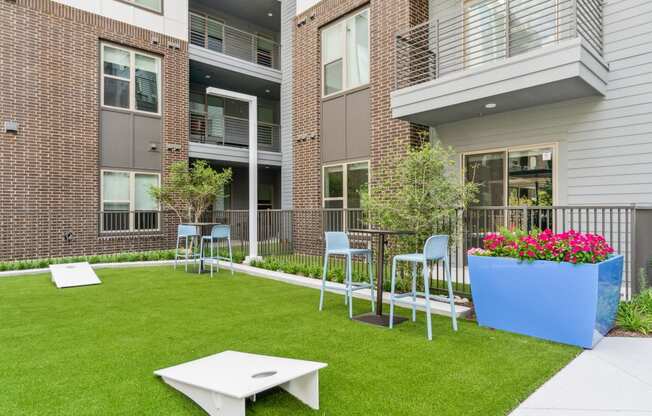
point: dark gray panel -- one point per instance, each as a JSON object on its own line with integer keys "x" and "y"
{"x": 147, "y": 133}
{"x": 357, "y": 125}
{"x": 333, "y": 129}
{"x": 116, "y": 139}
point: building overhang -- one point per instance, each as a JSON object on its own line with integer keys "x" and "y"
{"x": 565, "y": 71}
{"x": 231, "y": 154}
{"x": 221, "y": 60}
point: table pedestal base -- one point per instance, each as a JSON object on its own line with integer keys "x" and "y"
{"x": 380, "y": 320}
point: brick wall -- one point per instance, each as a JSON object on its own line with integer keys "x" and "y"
{"x": 390, "y": 138}
{"x": 49, "y": 84}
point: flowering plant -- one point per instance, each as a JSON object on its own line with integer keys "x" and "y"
{"x": 570, "y": 246}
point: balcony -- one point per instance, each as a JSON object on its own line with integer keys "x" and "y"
{"x": 215, "y": 43}
{"x": 499, "y": 55}
{"x": 232, "y": 131}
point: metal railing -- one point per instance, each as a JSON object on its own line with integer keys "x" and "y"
{"x": 232, "y": 131}
{"x": 120, "y": 222}
{"x": 492, "y": 30}
{"x": 213, "y": 34}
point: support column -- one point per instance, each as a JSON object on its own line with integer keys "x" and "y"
{"x": 252, "y": 102}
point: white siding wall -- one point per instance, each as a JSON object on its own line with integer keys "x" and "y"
{"x": 605, "y": 144}
{"x": 173, "y": 22}
{"x": 288, "y": 12}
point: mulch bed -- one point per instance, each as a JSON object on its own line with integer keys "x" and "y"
{"x": 617, "y": 332}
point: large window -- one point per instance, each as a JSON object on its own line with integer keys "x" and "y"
{"x": 154, "y": 5}
{"x": 130, "y": 80}
{"x": 345, "y": 53}
{"x": 344, "y": 183}
{"x": 513, "y": 177}
{"x": 126, "y": 202}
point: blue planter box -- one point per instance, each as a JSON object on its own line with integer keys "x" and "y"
{"x": 562, "y": 302}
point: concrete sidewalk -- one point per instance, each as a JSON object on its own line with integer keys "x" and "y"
{"x": 613, "y": 379}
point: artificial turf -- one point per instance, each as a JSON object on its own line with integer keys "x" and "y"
{"x": 93, "y": 350}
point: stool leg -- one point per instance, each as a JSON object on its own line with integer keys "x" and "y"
{"x": 414, "y": 292}
{"x": 185, "y": 248}
{"x": 323, "y": 282}
{"x": 176, "y": 255}
{"x": 201, "y": 255}
{"x": 230, "y": 255}
{"x": 212, "y": 256}
{"x": 426, "y": 290}
{"x": 346, "y": 298}
{"x": 371, "y": 282}
{"x": 391, "y": 294}
{"x": 349, "y": 285}
{"x": 451, "y": 296}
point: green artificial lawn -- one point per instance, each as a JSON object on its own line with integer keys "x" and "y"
{"x": 93, "y": 350}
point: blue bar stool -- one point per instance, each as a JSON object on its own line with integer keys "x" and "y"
{"x": 337, "y": 243}
{"x": 188, "y": 233}
{"x": 218, "y": 232}
{"x": 436, "y": 248}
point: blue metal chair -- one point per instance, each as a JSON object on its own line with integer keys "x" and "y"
{"x": 337, "y": 244}
{"x": 435, "y": 249}
{"x": 219, "y": 232}
{"x": 188, "y": 233}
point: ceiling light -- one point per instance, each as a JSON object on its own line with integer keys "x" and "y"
{"x": 267, "y": 91}
{"x": 490, "y": 105}
{"x": 270, "y": 14}
{"x": 207, "y": 76}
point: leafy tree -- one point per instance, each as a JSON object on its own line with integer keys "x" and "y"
{"x": 425, "y": 198}
{"x": 190, "y": 190}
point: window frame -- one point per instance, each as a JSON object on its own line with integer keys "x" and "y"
{"x": 345, "y": 183}
{"x": 345, "y": 65}
{"x": 505, "y": 151}
{"x": 132, "y": 199}
{"x": 144, "y": 7}
{"x": 132, "y": 79}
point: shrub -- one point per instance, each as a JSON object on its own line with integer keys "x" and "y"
{"x": 634, "y": 316}
{"x": 571, "y": 246}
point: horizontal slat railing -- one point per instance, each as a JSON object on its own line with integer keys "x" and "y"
{"x": 492, "y": 30}
{"x": 212, "y": 34}
{"x": 232, "y": 131}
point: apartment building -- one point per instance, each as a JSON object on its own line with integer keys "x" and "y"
{"x": 545, "y": 101}
{"x": 98, "y": 99}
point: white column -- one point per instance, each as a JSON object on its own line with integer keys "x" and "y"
{"x": 252, "y": 102}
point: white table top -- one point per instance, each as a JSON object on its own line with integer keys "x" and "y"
{"x": 235, "y": 373}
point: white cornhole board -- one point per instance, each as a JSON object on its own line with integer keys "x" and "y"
{"x": 73, "y": 274}
{"x": 221, "y": 383}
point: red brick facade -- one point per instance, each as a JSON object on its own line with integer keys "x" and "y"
{"x": 49, "y": 84}
{"x": 390, "y": 138}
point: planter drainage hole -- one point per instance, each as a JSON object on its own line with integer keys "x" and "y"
{"x": 264, "y": 374}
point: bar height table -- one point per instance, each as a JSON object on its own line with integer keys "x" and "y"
{"x": 204, "y": 229}
{"x": 377, "y": 317}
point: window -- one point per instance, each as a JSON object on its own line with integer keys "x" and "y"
{"x": 126, "y": 202}
{"x": 513, "y": 177}
{"x": 345, "y": 54}
{"x": 154, "y": 5}
{"x": 130, "y": 80}
{"x": 344, "y": 183}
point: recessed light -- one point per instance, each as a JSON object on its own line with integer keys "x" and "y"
{"x": 207, "y": 76}
{"x": 270, "y": 14}
{"x": 267, "y": 91}
{"x": 490, "y": 105}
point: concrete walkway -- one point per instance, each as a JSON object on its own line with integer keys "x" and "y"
{"x": 613, "y": 379}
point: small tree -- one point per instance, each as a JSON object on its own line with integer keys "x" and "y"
{"x": 426, "y": 195}
{"x": 191, "y": 190}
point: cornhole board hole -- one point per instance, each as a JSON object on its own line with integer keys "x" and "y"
{"x": 221, "y": 383}
{"x": 73, "y": 274}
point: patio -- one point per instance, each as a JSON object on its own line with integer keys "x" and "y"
{"x": 92, "y": 350}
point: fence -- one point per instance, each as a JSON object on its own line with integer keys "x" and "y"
{"x": 297, "y": 236}
{"x": 492, "y": 30}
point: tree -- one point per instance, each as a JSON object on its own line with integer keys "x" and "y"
{"x": 191, "y": 190}
{"x": 425, "y": 198}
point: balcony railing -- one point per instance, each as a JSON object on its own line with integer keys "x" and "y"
{"x": 232, "y": 131}
{"x": 491, "y": 30}
{"x": 129, "y": 221}
{"x": 212, "y": 34}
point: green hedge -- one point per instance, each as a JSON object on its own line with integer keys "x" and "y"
{"x": 100, "y": 258}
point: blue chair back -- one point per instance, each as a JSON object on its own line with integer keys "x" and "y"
{"x": 185, "y": 230}
{"x": 221, "y": 231}
{"x": 337, "y": 240}
{"x": 436, "y": 247}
